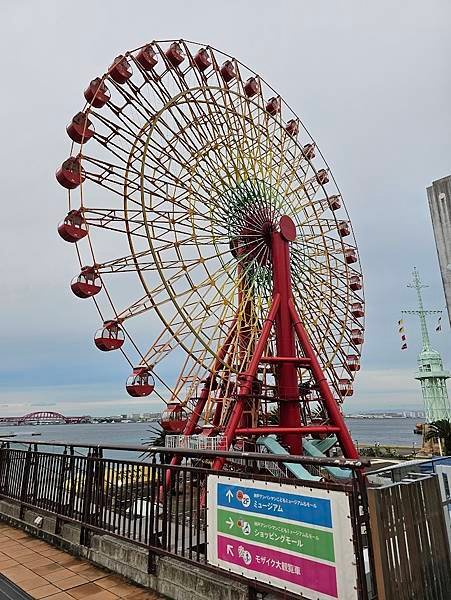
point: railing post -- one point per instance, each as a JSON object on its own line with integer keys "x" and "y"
{"x": 99, "y": 489}
{"x": 25, "y": 481}
{"x": 34, "y": 473}
{"x": 61, "y": 490}
{"x": 5, "y": 463}
{"x": 87, "y": 499}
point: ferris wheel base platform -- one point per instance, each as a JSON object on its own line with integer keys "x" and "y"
{"x": 273, "y": 447}
{"x": 311, "y": 448}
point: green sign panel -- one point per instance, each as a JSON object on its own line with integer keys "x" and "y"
{"x": 278, "y": 534}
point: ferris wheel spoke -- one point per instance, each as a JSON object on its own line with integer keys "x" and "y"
{"x": 125, "y": 222}
{"x": 319, "y": 313}
{"x": 123, "y": 129}
{"x": 113, "y": 174}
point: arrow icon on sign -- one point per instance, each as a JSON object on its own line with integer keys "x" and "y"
{"x": 229, "y": 495}
{"x": 230, "y": 549}
{"x": 229, "y": 522}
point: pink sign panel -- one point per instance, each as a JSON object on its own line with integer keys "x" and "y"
{"x": 288, "y": 567}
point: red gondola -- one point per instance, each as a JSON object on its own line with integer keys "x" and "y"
{"x": 355, "y": 283}
{"x": 97, "y": 93}
{"x": 353, "y": 362}
{"x": 343, "y": 228}
{"x": 202, "y": 59}
{"x": 80, "y": 129}
{"x": 120, "y": 70}
{"x": 357, "y": 310}
{"x": 147, "y": 58}
{"x": 227, "y": 71}
{"x": 350, "y": 255}
{"x": 273, "y": 105}
{"x": 175, "y": 54}
{"x": 357, "y": 336}
{"x": 322, "y": 177}
{"x": 345, "y": 387}
{"x": 251, "y": 87}
{"x": 174, "y": 418}
{"x": 309, "y": 151}
{"x": 334, "y": 202}
{"x": 71, "y": 174}
{"x": 292, "y": 127}
{"x": 87, "y": 284}
{"x": 140, "y": 383}
{"x": 110, "y": 337}
{"x": 74, "y": 227}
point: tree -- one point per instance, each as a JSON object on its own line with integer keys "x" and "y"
{"x": 440, "y": 430}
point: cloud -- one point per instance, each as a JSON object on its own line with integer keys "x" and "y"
{"x": 371, "y": 89}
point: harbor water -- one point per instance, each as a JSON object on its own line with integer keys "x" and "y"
{"x": 386, "y": 432}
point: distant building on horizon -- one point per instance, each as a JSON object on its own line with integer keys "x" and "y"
{"x": 439, "y": 198}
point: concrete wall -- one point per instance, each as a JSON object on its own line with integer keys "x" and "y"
{"x": 439, "y": 198}
{"x": 172, "y": 578}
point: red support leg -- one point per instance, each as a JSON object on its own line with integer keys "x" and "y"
{"x": 335, "y": 416}
{"x": 193, "y": 420}
{"x": 286, "y": 372}
{"x": 248, "y": 378}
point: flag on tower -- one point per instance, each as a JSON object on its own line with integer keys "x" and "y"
{"x": 439, "y": 324}
{"x": 402, "y": 334}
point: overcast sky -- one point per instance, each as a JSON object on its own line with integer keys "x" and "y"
{"x": 369, "y": 80}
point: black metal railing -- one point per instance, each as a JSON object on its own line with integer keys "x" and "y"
{"x": 151, "y": 503}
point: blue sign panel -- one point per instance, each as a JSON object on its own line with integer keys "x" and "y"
{"x": 305, "y": 509}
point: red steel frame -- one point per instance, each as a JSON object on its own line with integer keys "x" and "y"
{"x": 288, "y": 326}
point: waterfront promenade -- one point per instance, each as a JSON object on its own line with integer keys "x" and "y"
{"x": 42, "y": 571}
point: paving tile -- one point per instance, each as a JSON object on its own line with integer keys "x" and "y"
{"x": 53, "y": 553}
{"x": 123, "y": 590}
{"x": 34, "y": 560}
{"x": 83, "y": 566}
{"x": 103, "y": 595}
{"x": 58, "y": 574}
{"x": 20, "y": 552}
{"x": 4, "y": 539}
{"x": 69, "y": 561}
{"x": 49, "y": 573}
{"x": 35, "y": 544}
{"x": 32, "y": 582}
{"x": 65, "y": 560}
{"x": 110, "y": 581}
{"x": 44, "y": 591}
{"x": 7, "y": 563}
{"x": 17, "y": 574}
{"x": 90, "y": 573}
{"x": 45, "y": 570}
{"x": 17, "y": 534}
{"x": 85, "y": 591}
{"x": 70, "y": 582}
{"x": 10, "y": 550}
{"x": 144, "y": 595}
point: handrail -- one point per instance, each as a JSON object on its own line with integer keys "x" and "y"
{"x": 279, "y": 458}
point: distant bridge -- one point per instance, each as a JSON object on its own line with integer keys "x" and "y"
{"x": 44, "y": 416}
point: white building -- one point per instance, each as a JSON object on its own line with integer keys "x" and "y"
{"x": 439, "y": 198}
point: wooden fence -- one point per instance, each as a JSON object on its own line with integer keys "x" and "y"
{"x": 410, "y": 542}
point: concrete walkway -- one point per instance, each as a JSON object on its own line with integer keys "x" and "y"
{"x": 43, "y": 571}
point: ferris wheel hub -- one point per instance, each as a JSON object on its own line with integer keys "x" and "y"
{"x": 287, "y": 228}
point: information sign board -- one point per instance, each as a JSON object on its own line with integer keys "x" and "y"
{"x": 292, "y": 537}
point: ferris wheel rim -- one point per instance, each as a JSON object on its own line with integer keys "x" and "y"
{"x": 88, "y": 107}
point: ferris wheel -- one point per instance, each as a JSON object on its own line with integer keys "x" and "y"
{"x": 184, "y": 165}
